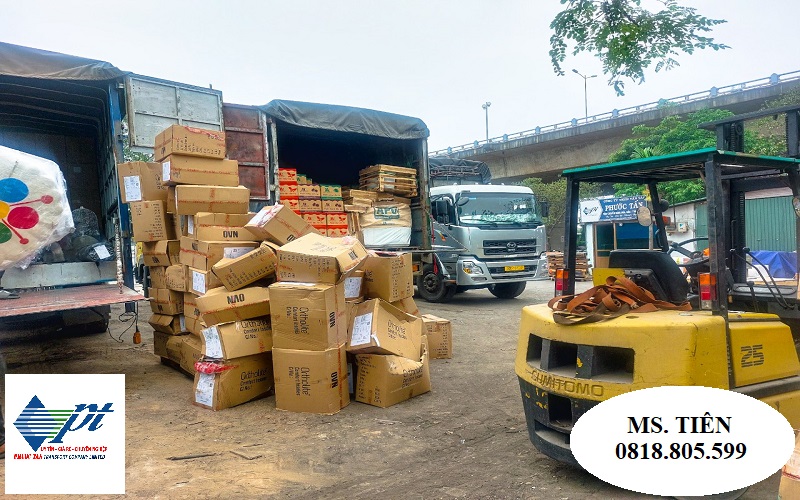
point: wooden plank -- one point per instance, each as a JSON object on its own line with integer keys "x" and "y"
{"x": 388, "y": 168}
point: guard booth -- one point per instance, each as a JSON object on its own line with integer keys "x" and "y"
{"x": 610, "y": 223}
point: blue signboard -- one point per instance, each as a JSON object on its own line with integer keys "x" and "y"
{"x": 608, "y": 209}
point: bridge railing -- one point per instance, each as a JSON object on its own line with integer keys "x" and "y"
{"x": 773, "y": 79}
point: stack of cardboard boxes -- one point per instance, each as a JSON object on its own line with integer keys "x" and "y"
{"x": 378, "y": 218}
{"x": 320, "y": 205}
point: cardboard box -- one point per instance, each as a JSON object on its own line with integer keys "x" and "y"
{"x": 190, "y": 199}
{"x": 164, "y": 301}
{"x": 171, "y": 325}
{"x": 440, "y": 336}
{"x": 387, "y": 380}
{"x": 407, "y": 305}
{"x": 237, "y": 339}
{"x": 237, "y": 382}
{"x": 308, "y": 316}
{"x": 168, "y": 346}
{"x": 199, "y": 282}
{"x": 158, "y": 277}
{"x": 309, "y": 191}
{"x": 317, "y": 259}
{"x": 221, "y": 306}
{"x": 178, "y": 169}
{"x": 354, "y": 287}
{"x": 332, "y": 206}
{"x": 311, "y": 381}
{"x": 204, "y": 254}
{"x": 310, "y": 205}
{"x": 151, "y": 221}
{"x": 336, "y": 232}
{"x": 140, "y": 181}
{"x": 291, "y": 204}
{"x": 218, "y": 227}
{"x": 191, "y": 352}
{"x": 336, "y": 219}
{"x": 302, "y": 179}
{"x": 176, "y": 278}
{"x": 330, "y": 191}
{"x": 388, "y": 276}
{"x": 253, "y": 266}
{"x": 287, "y": 175}
{"x": 194, "y": 321}
{"x": 189, "y": 141}
{"x": 161, "y": 253}
{"x": 393, "y": 212}
{"x": 289, "y": 190}
{"x": 315, "y": 218}
{"x": 380, "y": 328}
{"x": 279, "y": 224}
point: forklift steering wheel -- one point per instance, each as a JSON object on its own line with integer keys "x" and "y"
{"x": 697, "y": 258}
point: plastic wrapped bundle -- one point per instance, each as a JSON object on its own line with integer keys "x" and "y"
{"x": 34, "y": 210}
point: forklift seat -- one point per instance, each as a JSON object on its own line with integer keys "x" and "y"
{"x": 671, "y": 283}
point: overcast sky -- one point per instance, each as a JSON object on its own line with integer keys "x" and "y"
{"x": 436, "y": 60}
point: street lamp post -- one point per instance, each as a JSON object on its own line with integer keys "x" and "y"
{"x": 585, "y": 94}
{"x": 485, "y": 107}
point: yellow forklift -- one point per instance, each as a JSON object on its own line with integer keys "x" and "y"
{"x": 737, "y": 333}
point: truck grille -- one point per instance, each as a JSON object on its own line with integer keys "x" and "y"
{"x": 502, "y": 270}
{"x": 506, "y": 247}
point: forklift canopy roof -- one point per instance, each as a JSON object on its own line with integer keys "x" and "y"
{"x": 346, "y": 119}
{"x": 27, "y": 62}
{"x": 677, "y": 166}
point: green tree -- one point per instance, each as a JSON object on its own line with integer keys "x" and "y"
{"x": 628, "y": 38}
{"x": 555, "y": 194}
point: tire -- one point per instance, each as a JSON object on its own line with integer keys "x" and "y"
{"x": 432, "y": 288}
{"x": 507, "y": 290}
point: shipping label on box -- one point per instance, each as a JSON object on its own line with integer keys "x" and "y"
{"x": 219, "y": 227}
{"x": 289, "y": 190}
{"x": 388, "y": 276}
{"x": 165, "y": 301}
{"x": 200, "y": 282}
{"x": 317, "y": 259}
{"x": 221, "y": 306}
{"x": 332, "y": 206}
{"x": 189, "y": 141}
{"x": 172, "y": 325}
{"x": 440, "y": 336}
{"x": 336, "y": 219}
{"x": 231, "y": 383}
{"x": 287, "y": 175}
{"x": 377, "y": 327}
{"x": 330, "y": 191}
{"x": 151, "y": 222}
{"x": 253, "y": 266}
{"x": 141, "y": 181}
{"x": 354, "y": 286}
{"x": 204, "y": 254}
{"x": 310, "y": 191}
{"x": 158, "y": 276}
{"x": 178, "y": 169}
{"x": 310, "y": 205}
{"x": 190, "y": 199}
{"x": 311, "y": 381}
{"x": 407, "y": 305}
{"x": 176, "y": 278}
{"x": 279, "y": 224}
{"x": 191, "y": 353}
{"x": 308, "y": 316}
{"x": 237, "y": 339}
{"x": 315, "y": 218}
{"x": 385, "y": 380}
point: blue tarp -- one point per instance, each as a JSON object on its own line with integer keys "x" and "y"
{"x": 781, "y": 264}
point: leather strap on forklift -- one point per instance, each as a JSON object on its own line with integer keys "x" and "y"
{"x": 617, "y": 297}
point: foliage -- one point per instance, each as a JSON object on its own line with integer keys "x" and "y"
{"x": 555, "y": 194}
{"x": 129, "y": 155}
{"x": 628, "y": 38}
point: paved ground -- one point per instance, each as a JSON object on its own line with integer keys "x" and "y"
{"x": 465, "y": 439}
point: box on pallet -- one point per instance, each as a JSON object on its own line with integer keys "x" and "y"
{"x": 440, "y": 336}
{"x": 191, "y": 199}
{"x": 176, "y": 169}
{"x": 164, "y": 301}
{"x": 235, "y": 382}
{"x": 308, "y": 316}
{"x": 317, "y": 259}
{"x": 204, "y": 254}
{"x": 385, "y": 380}
{"x": 151, "y": 222}
{"x": 221, "y": 306}
{"x": 176, "y": 278}
{"x": 172, "y": 325}
{"x": 217, "y": 227}
{"x": 378, "y": 327}
{"x": 279, "y": 224}
{"x": 248, "y": 268}
{"x": 200, "y": 282}
{"x": 237, "y": 339}
{"x": 189, "y": 141}
{"x": 388, "y": 276}
{"x": 161, "y": 253}
{"x": 311, "y": 381}
{"x": 140, "y": 181}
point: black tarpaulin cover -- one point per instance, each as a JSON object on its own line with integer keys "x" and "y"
{"x": 346, "y": 119}
{"x": 27, "y": 62}
{"x": 453, "y": 167}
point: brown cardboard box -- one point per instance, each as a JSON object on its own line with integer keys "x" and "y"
{"x": 140, "y": 181}
{"x": 289, "y": 190}
{"x": 189, "y": 141}
{"x": 336, "y": 219}
{"x": 380, "y": 328}
{"x": 221, "y": 306}
{"x": 191, "y": 352}
{"x": 168, "y": 346}
{"x": 310, "y": 191}
{"x": 317, "y": 259}
{"x": 164, "y": 301}
{"x": 291, "y": 204}
{"x": 161, "y": 253}
{"x": 238, "y": 381}
{"x": 287, "y": 175}
{"x": 199, "y": 282}
{"x": 315, "y": 218}
{"x": 311, "y": 381}
{"x": 332, "y": 205}
{"x": 158, "y": 276}
{"x": 178, "y": 169}
{"x": 249, "y": 268}
{"x": 307, "y": 316}
{"x": 151, "y": 221}
{"x": 176, "y": 278}
{"x": 388, "y": 276}
{"x": 218, "y": 227}
{"x": 171, "y": 325}
{"x": 310, "y": 205}
{"x": 440, "y": 336}
{"x": 194, "y": 321}
{"x": 331, "y": 191}
{"x": 354, "y": 286}
{"x": 387, "y": 380}
{"x": 279, "y": 224}
{"x": 204, "y": 254}
{"x": 407, "y": 305}
{"x": 190, "y": 199}
{"x": 237, "y": 339}
{"x": 337, "y": 232}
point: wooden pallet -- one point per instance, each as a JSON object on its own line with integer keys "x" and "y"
{"x": 407, "y": 189}
{"x": 399, "y": 171}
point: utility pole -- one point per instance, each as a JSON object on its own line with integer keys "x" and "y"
{"x": 485, "y": 107}
{"x": 585, "y": 94}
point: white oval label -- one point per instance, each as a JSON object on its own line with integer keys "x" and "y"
{"x": 682, "y": 441}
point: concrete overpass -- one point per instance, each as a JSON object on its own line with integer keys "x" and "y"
{"x": 546, "y": 151}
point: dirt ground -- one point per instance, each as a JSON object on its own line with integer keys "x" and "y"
{"x": 465, "y": 439}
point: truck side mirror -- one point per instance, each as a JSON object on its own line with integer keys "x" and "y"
{"x": 441, "y": 212}
{"x": 544, "y": 208}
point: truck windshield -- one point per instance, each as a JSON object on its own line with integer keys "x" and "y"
{"x": 475, "y": 209}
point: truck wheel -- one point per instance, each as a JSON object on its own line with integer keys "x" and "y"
{"x": 507, "y": 290}
{"x": 432, "y": 288}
